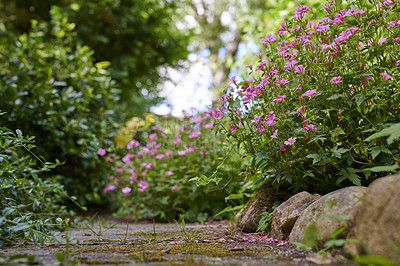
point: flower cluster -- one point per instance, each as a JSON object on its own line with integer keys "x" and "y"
{"x": 152, "y": 173}
{"x": 315, "y": 92}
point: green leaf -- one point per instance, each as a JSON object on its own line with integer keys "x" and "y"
{"x": 229, "y": 209}
{"x": 316, "y": 157}
{"x": 17, "y": 257}
{"x": 393, "y": 132}
{"x": 349, "y": 173}
{"x": 373, "y": 260}
{"x": 385, "y": 168}
{"x": 20, "y": 227}
{"x": 301, "y": 246}
{"x": 360, "y": 98}
{"x": 335, "y": 243}
{"x": 60, "y": 257}
{"x": 311, "y": 235}
{"x": 335, "y": 96}
{"x": 19, "y": 133}
{"x": 375, "y": 151}
{"x": 337, "y": 231}
{"x": 234, "y": 196}
{"x": 337, "y": 217}
{"x": 338, "y": 152}
{"x": 32, "y": 259}
{"x": 7, "y": 211}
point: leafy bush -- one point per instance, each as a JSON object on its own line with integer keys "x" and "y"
{"x": 30, "y": 206}
{"x": 320, "y": 88}
{"x": 52, "y": 89}
{"x": 137, "y": 37}
{"x": 152, "y": 178}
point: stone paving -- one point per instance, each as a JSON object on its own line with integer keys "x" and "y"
{"x": 172, "y": 244}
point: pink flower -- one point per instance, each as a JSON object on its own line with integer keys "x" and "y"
{"x": 382, "y": 40}
{"x": 181, "y": 153}
{"x": 209, "y": 125}
{"x": 168, "y": 153}
{"x": 101, "y": 152}
{"x": 147, "y": 165}
{"x": 364, "y": 80}
{"x": 194, "y": 134}
{"x": 300, "y": 111}
{"x": 132, "y": 178}
{"x": 259, "y": 54}
{"x": 132, "y": 143}
{"x": 174, "y": 188}
{"x": 268, "y": 39}
{"x": 203, "y": 152}
{"x": 169, "y": 173}
{"x": 310, "y": 127}
{"x": 275, "y": 134}
{"x": 279, "y": 98}
{"x": 290, "y": 141}
{"x": 109, "y": 188}
{"x": 282, "y": 148}
{"x": 127, "y": 158}
{"x": 385, "y": 76}
{"x": 126, "y": 190}
{"x": 398, "y": 62}
{"x": 142, "y": 185}
{"x": 160, "y": 156}
{"x": 336, "y": 80}
{"x": 309, "y": 93}
{"x": 256, "y": 119}
{"x": 233, "y": 128}
{"x": 152, "y": 136}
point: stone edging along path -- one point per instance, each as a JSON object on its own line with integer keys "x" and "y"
{"x": 366, "y": 220}
{"x": 172, "y": 244}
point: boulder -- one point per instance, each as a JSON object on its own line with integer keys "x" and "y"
{"x": 262, "y": 201}
{"x": 286, "y": 214}
{"x": 377, "y": 224}
{"x": 345, "y": 201}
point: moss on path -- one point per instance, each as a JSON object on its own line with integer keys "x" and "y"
{"x": 195, "y": 244}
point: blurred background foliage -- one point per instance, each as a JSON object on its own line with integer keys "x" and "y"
{"x": 83, "y": 68}
{"x": 135, "y": 36}
{"x": 52, "y": 89}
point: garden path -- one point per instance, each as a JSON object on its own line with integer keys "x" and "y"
{"x": 172, "y": 244}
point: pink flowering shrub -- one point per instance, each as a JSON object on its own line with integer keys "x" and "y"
{"x": 152, "y": 174}
{"x": 317, "y": 91}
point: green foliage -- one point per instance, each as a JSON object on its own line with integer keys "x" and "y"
{"x": 310, "y": 238}
{"x": 320, "y": 88}
{"x": 373, "y": 260}
{"x": 30, "y": 206}
{"x": 51, "y": 88}
{"x": 266, "y": 218}
{"x": 137, "y": 37}
{"x": 152, "y": 177}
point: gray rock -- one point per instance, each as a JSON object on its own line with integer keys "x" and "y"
{"x": 377, "y": 224}
{"x": 262, "y": 201}
{"x": 286, "y": 214}
{"x": 345, "y": 201}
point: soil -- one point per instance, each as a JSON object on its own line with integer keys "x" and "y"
{"x": 212, "y": 243}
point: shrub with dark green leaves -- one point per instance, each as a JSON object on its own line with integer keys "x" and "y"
{"x": 137, "y": 37}
{"x": 319, "y": 91}
{"x": 30, "y": 207}
{"x": 50, "y": 88}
